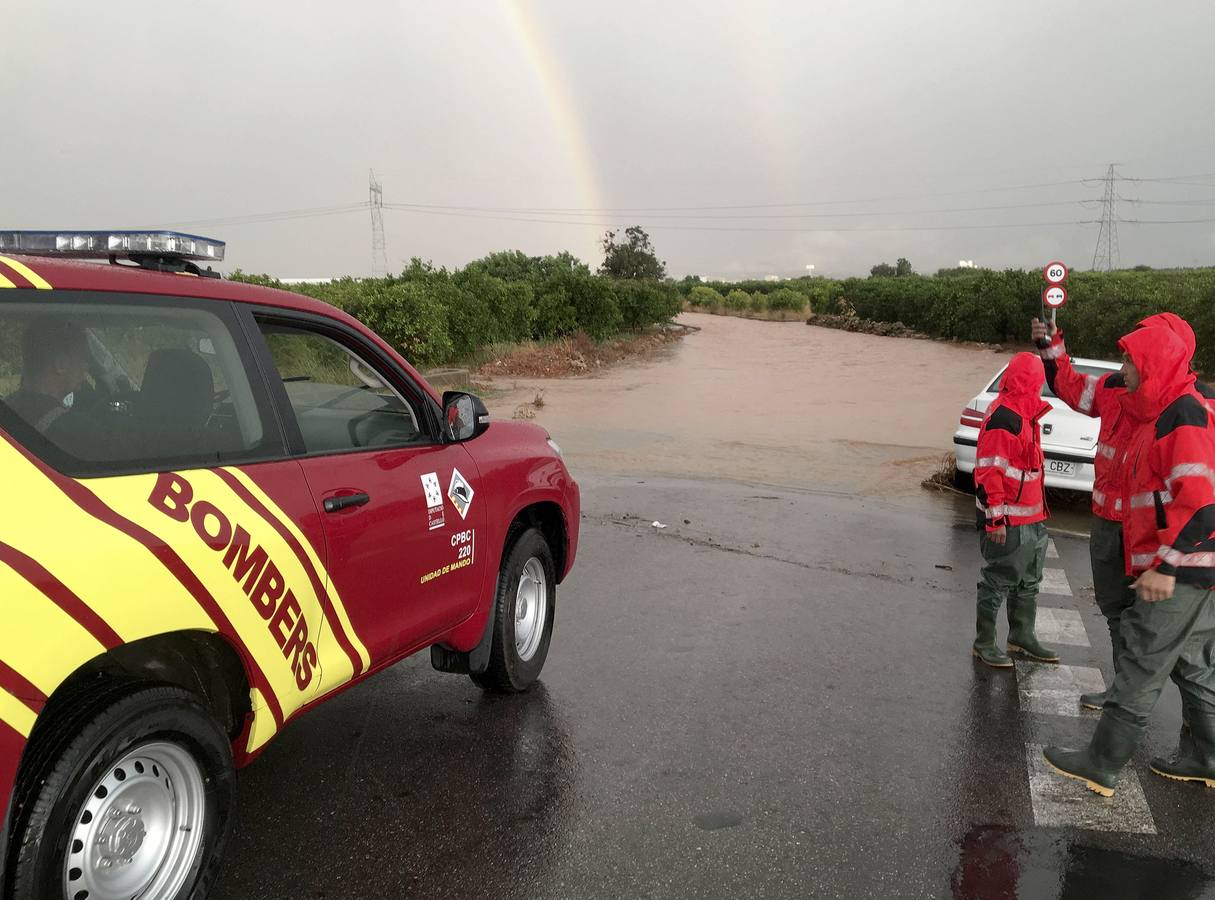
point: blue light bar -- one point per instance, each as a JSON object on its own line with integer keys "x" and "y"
{"x": 104, "y": 244}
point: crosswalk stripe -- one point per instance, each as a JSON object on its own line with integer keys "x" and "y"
{"x": 1054, "y": 581}
{"x": 1061, "y": 626}
{"x": 1052, "y": 552}
{"x": 1064, "y": 802}
{"x": 1055, "y": 690}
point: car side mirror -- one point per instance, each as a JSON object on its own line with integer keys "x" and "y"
{"x": 464, "y": 417}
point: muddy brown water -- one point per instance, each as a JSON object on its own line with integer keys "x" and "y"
{"x": 770, "y": 402}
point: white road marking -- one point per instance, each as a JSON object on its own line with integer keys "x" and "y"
{"x": 1054, "y": 581}
{"x": 1052, "y": 552}
{"x": 1060, "y": 626}
{"x": 1055, "y": 690}
{"x": 1064, "y": 802}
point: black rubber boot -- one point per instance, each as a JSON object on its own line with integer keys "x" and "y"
{"x": 1094, "y": 701}
{"x": 985, "y": 648}
{"x": 1098, "y": 765}
{"x": 1022, "y": 614}
{"x": 1195, "y": 756}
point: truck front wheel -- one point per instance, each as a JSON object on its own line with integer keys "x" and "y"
{"x": 523, "y": 614}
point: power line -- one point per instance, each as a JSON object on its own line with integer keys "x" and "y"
{"x": 818, "y": 215}
{"x": 658, "y": 209}
{"x": 735, "y": 228}
{"x": 1165, "y": 221}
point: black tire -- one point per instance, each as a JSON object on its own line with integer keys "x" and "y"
{"x": 60, "y": 789}
{"x": 964, "y": 481}
{"x": 507, "y": 672}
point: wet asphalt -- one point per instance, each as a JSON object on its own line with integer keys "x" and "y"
{"x": 771, "y": 697}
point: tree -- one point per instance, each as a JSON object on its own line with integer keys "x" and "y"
{"x": 883, "y": 270}
{"x": 632, "y": 258}
{"x": 902, "y": 267}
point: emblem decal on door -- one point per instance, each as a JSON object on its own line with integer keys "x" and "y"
{"x": 434, "y": 500}
{"x": 460, "y": 493}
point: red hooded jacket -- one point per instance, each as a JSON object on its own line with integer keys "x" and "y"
{"x": 1008, "y": 463}
{"x": 1170, "y": 464}
{"x": 1100, "y": 396}
{"x": 1096, "y": 396}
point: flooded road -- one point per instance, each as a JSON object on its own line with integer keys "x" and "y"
{"x": 771, "y": 402}
{"x": 777, "y": 403}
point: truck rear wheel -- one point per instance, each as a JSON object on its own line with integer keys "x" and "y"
{"x": 523, "y": 613}
{"x": 136, "y": 803}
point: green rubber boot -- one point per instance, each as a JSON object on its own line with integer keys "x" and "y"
{"x": 1094, "y": 701}
{"x": 1098, "y": 765}
{"x": 1195, "y": 756}
{"x": 1022, "y": 614}
{"x": 985, "y": 648}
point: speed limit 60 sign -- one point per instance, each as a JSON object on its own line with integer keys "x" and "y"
{"x": 1054, "y": 296}
{"x": 1055, "y": 273}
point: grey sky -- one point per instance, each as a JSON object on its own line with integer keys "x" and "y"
{"x": 142, "y": 113}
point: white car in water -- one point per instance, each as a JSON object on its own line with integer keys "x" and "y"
{"x": 1069, "y": 439}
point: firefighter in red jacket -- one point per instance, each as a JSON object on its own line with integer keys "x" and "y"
{"x": 1100, "y": 396}
{"x": 1012, "y": 514}
{"x": 1168, "y": 499}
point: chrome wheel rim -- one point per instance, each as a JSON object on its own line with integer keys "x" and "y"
{"x": 531, "y": 609}
{"x": 139, "y": 833}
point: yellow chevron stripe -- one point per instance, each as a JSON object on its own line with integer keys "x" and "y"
{"x": 16, "y": 714}
{"x": 49, "y": 645}
{"x": 27, "y": 273}
{"x": 330, "y": 588}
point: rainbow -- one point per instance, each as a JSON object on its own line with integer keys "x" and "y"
{"x": 554, "y": 84}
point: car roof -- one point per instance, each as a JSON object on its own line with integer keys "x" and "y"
{"x": 83, "y": 275}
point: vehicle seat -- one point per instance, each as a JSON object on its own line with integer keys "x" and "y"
{"x": 177, "y": 389}
{"x": 174, "y": 404}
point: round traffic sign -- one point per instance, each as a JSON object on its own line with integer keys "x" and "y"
{"x": 1055, "y": 273}
{"x": 1054, "y": 296}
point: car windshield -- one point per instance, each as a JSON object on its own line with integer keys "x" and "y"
{"x": 994, "y": 387}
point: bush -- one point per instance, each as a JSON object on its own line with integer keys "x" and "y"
{"x": 737, "y": 301}
{"x": 511, "y": 305}
{"x": 786, "y": 299}
{"x": 702, "y": 297}
{"x": 408, "y": 317}
{"x": 756, "y": 303}
{"x": 595, "y": 308}
{"x": 645, "y": 303}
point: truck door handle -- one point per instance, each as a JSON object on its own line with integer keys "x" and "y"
{"x": 337, "y": 504}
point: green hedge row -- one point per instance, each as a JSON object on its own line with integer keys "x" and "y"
{"x": 997, "y": 306}
{"x": 433, "y": 315}
{"x": 737, "y": 300}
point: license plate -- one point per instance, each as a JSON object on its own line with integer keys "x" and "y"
{"x": 1058, "y": 467}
